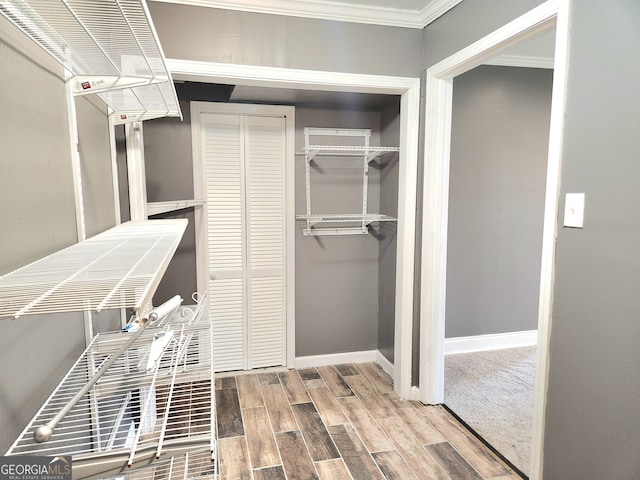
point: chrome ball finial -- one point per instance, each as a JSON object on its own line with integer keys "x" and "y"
{"x": 42, "y": 434}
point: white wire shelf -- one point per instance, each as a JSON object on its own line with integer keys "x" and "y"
{"x": 110, "y": 47}
{"x": 155, "y": 208}
{"x": 119, "y": 268}
{"x": 341, "y": 224}
{"x": 358, "y": 149}
{"x": 192, "y": 465}
{"x": 315, "y": 152}
{"x": 140, "y": 410}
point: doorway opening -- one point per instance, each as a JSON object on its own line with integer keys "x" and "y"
{"x": 439, "y": 87}
{"x": 499, "y": 145}
{"x": 409, "y": 91}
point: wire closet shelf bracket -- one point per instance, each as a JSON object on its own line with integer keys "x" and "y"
{"x": 109, "y": 47}
{"x": 357, "y": 149}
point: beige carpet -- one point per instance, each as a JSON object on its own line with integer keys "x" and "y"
{"x": 493, "y": 393}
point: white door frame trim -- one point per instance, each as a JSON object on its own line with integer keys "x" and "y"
{"x": 439, "y": 89}
{"x": 409, "y": 89}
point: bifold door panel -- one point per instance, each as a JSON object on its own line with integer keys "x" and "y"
{"x": 266, "y": 208}
{"x": 244, "y": 159}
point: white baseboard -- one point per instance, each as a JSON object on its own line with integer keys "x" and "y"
{"x": 415, "y": 393}
{"x": 480, "y": 343}
{"x": 336, "y": 359}
{"x": 386, "y": 365}
{"x": 352, "y": 357}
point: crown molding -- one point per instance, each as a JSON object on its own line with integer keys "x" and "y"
{"x": 328, "y": 10}
{"x": 434, "y": 10}
{"x": 520, "y": 61}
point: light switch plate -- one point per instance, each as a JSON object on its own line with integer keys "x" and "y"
{"x": 574, "y": 210}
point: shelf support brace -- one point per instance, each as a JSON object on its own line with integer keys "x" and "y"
{"x": 135, "y": 170}
{"x": 365, "y": 183}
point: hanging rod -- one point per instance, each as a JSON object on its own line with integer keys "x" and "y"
{"x": 44, "y": 432}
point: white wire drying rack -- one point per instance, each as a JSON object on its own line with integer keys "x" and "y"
{"x": 109, "y": 46}
{"x": 342, "y": 223}
{"x": 119, "y": 268}
{"x": 192, "y": 465}
{"x": 149, "y": 404}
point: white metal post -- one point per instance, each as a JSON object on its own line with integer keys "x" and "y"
{"x": 307, "y": 172}
{"x": 116, "y": 193}
{"x": 136, "y": 171}
{"x": 114, "y": 171}
{"x": 365, "y": 183}
{"x": 76, "y": 170}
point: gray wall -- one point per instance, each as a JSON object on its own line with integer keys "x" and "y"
{"x": 336, "y": 276}
{"x": 37, "y": 184}
{"x": 38, "y": 214}
{"x": 290, "y": 42}
{"x": 592, "y": 426}
{"x": 499, "y": 143}
{"x": 387, "y": 233}
{"x": 97, "y": 183}
{"x": 123, "y": 178}
{"x": 95, "y": 164}
{"x": 467, "y": 22}
{"x": 169, "y": 172}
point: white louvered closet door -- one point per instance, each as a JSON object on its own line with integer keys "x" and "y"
{"x": 245, "y": 178}
{"x": 266, "y": 207}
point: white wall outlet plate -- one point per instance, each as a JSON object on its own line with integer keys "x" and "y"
{"x": 574, "y": 210}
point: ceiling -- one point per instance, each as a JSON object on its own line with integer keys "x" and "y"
{"x": 397, "y": 13}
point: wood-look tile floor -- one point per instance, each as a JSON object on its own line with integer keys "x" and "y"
{"x": 340, "y": 423}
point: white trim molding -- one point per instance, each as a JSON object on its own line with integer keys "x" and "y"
{"x": 259, "y": 76}
{"x": 330, "y": 10}
{"x": 523, "y": 61}
{"x": 434, "y": 10}
{"x": 495, "y": 341}
{"x": 405, "y": 252}
{"x": 439, "y": 78}
{"x": 409, "y": 90}
{"x": 385, "y": 363}
{"x": 415, "y": 394}
{"x": 336, "y": 359}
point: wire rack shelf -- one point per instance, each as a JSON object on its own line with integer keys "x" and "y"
{"x": 315, "y": 152}
{"x": 155, "y": 401}
{"x": 119, "y": 268}
{"x": 193, "y": 465}
{"x": 341, "y": 223}
{"x": 109, "y": 46}
{"x": 361, "y": 152}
